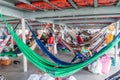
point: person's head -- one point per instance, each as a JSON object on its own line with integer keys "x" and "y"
{"x": 87, "y": 46}
{"x": 79, "y": 33}
{"x": 50, "y": 35}
{"x": 80, "y": 47}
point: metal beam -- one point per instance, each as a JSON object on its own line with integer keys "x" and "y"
{"x": 8, "y": 18}
{"x": 78, "y": 12}
{"x": 24, "y": 1}
{"x": 14, "y": 21}
{"x": 95, "y": 3}
{"x": 89, "y": 25}
{"x": 37, "y": 25}
{"x": 11, "y": 12}
{"x": 7, "y": 4}
{"x": 73, "y": 4}
{"x": 47, "y": 1}
{"x": 10, "y": 5}
{"x": 118, "y": 3}
{"x": 27, "y": 2}
{"x": 79, "y": 17}
{"x": 86, "y": 21}
{"x": 9, "y": 9}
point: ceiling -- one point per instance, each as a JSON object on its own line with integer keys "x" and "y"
{"x": 75, "y": 13}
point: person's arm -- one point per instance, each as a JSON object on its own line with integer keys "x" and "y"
{"x": 90, "y": 53}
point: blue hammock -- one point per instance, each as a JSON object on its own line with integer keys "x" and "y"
{"x": 46, "y": 51}
{"x": 50, "y": 55}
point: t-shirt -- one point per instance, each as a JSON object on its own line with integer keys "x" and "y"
{"x": 79, "y": 39}
{"x": 84, "y": 50}
{"x": 50, "y": 40}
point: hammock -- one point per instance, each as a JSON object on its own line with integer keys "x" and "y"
{"x": 2, "y": 45}
{"x": 96, "y": 44}
{"x": 9, "y": 54}
{"x": 50, "y": 67}
{"x": 63, "y": 42}
{"x": 45, "y": 50}
{"x": 14, "y": 53}
{"x": 96, "y": 37}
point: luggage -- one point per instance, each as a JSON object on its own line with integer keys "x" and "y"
{"x": 106, "y": 63}
{"x": 4, "y": 61}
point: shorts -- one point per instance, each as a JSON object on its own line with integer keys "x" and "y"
{"x": 50, "y": 45}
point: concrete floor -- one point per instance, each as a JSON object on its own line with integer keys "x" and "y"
{"x": 15, "y": 72}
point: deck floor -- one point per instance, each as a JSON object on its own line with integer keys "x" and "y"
{"x": 15, "y": 72}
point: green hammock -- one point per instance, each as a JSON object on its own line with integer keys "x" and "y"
{"x": 51, "y": 68}
{"x": 8, "y": 54}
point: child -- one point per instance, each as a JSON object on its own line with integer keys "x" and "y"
{"x": 83, "y": 53}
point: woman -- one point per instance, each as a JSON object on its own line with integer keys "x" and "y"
{"x": 50, "y": 43}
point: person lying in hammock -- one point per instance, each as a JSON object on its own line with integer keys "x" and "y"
{"x": 83, "y": 53}
{"x": 79, "y": 39}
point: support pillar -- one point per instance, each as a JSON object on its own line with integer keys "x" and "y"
{"x": 62, "y": 32}
{"x": 24, "y": 40}
{"x": 55, "y": 44}
{"x": 116, "y": 46}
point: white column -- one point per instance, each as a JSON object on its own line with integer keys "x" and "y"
{"x": 12, "y": 43}
{"x": 65, "y": 31}
{"x": 24, "y": 40}
{"x": 55, "y": 45}
{"x": 77, "y": 30}
{"x": 116, "y": 46}
{"x": 62, "y": 31}
{"x": 118, "y": 32}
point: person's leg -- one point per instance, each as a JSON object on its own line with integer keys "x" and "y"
{"x": 76, "y": 57}
{"x": 81, "y": 56}
{"x": 50, "y": 48}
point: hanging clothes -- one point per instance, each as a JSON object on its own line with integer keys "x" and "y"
{"x": 79, "y": 39}
{"x": 109, "y": 38}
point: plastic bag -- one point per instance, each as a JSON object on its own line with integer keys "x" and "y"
{"x": 71, "y": 78}
{"x": 46, "y": 77}
{"x": 34, "y": 77}
{"x": 95, "y": 67}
